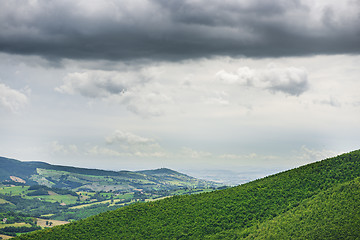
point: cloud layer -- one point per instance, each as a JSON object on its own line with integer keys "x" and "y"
{"x": 188, "y": 83}
{"x": 153, "y": 91}
{"x": 171, "y": 30}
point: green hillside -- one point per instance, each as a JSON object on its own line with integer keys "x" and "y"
{"x": 289, "y": 200}
{"x": 332, "y": 214}
{"x": 83, "y": 179}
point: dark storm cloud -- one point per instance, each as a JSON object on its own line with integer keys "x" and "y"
{"x": 175, "y": 30}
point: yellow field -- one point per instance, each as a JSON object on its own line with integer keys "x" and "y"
{"x": 155, "y": 199}
{"x": 3, "y": 201}
{"x": 90, "y": 204}
{"x": 42, "y": 222}
{"x": 5, "y": 236}
{"x": 15, "y": 225}
{"x": 47, "y": 215}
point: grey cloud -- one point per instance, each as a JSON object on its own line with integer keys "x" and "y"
{"x": 99, "y": 84}
{"x": 135, "y": 90}
{"x": 175, "y": 30}
{"x": 331, "y": 101}
{"x": 226, "y": 13}
{"x": 292, "y": 81}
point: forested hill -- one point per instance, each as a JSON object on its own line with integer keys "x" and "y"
{"x": 316, "y": 201}
{"x": 74, "y": 178}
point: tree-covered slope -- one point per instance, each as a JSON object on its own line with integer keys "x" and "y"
{"x": 221, "y": 214}
{"x": 332, "y": 214}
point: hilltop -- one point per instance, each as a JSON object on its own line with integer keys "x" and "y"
{"x": 315, "y": 201}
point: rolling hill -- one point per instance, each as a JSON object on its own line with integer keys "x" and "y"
{"x": 315, "y": 201}
{"x": 83, "y": 179}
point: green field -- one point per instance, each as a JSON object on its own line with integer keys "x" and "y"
{"x": 67, "y": 199}
{"x": 16, "y": 190}
{"x": 86, "y": 193}
{"x": 23, "y": 190}
{"x": 125, "y": 196}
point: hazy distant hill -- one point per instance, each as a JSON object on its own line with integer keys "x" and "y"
{"x": 316, "y": 201}
{"x": 74, "y": 178}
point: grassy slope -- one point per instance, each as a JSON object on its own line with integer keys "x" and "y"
{"x": 227, "y": 212}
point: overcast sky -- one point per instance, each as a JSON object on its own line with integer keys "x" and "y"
{"x": 247, "y": 86}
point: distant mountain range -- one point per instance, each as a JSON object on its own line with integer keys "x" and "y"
{"x": 83, "y": 179}
{"x": 316, "y": 201}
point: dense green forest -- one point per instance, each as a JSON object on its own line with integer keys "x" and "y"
{"x": 316, "y": 201}
{"x": 332, "y": 214}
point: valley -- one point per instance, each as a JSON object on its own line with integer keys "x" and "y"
{"x": 60, "y": 193}
{"x": 316, "y": 201}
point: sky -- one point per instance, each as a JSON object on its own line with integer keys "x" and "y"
{"x": 244, "y": 88}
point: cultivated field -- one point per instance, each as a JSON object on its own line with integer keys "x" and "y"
{"x": 42, "y": 222}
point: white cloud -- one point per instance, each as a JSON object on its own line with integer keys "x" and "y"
{"x": 11, "y": 99}
{"x": 308, "y": 154}
{"x": 119, "y": 144}
{"x": 239, "y": 157}
{"x": 135, "y": 145}
{"x": 243, "y": 76}
{"x": 191, "y": 153}
{"x": 104, "y": 152}
{"x": 58, "y": 148}
{"x": 150, "y": 154}
{"x": 146, "y": 102}
{"x": 290, "y": 80}
{"x": 128, "y": 139}
{"x": 218, "y": 98}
